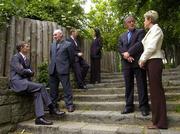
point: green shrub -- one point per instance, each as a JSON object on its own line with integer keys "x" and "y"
{"x": 42, "y": 75}
{"x": 169, "y": 65}
{"x": 178, "y": 109}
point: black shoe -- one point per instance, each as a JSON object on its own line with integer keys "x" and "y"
{"x": 84, "y": 87}
{"x": 126, "y": 111}
{"x": 145, "y": 113}
{"x": 71, "y": 109}
{"x": 42, "y": 121}
{"x": 55, "y": 111}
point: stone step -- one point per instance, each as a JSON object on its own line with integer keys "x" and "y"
{"x": 114, "y": 117}
{"x": 121, "y": 84}
{"x": 114, "y": 106}
{"x": 117, "y": 90}
{"x": 107, "y": 84}
{"x": 112, "y": 80}
{"x": 118, "y": 97}
{"x": 173, "y": 76}
{"x": 165, "y": 73}
{"x": 65, "y": 127}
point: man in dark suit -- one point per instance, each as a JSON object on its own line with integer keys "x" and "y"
{"x": 20, "y": 81}
{"x": 62, "y": 57}
{"x": 131, "y": 48}
{"x": 80, "y": 67}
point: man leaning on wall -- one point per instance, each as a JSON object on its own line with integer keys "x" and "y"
{"x": 20, "y": 81}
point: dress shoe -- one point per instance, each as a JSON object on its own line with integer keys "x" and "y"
{"x": 83, "y": 88}
{"x": 126, "y": 111}
{"x": 71, "y": 109}
{"x": 145, "y": 113}
{"x": 55, "y": 111}
{"x": 42, "y": 121}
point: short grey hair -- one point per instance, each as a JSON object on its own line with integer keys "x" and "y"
{"x": 128, "y": 17}
{"x": 153, "y": 15}
{"x": 58, "y": 31}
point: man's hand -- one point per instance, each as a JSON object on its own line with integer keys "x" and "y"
{"x": 130, "y": 59}
{"x": 80, "y": 54}
{"x": 125, "y": 55}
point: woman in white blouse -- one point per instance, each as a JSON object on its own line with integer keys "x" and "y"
{"x": 151, "y": 59}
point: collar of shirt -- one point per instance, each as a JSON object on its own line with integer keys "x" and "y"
{"x": 72, "y": 37}
{"x": 24, "y": 57}
{"x": 74, "y": 40}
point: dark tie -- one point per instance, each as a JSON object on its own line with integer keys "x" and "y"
{"x": 57, "y": 46}
{"x": 25, "y": 61}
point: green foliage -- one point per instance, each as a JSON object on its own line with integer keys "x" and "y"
{"x": 178, "y": 109}
{"x": 67, "y": 13}
{"x": 169, "y": 65}
{"x": 10, "y": 8}
{"x": 104, "y": 16}
{"x": 169, "y": 17}
{"x": 108, "y": 16}
{"x": 43, "y": 76}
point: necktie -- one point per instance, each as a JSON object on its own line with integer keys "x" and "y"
{"x": 25, "y": 61}
{"x": 129, "y": 36}
{"x": 57, "y": 46}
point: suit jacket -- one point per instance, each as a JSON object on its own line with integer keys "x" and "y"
{"x": 135, "y": 47}
{"x": 152, "y": 43}
{"x": 96, "y": 48}
{"x": 61, "y": 58}
{"x": 20, "y": 73}
{"x": 76, "y": 49}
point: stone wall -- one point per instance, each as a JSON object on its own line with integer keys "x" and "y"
{"x": 14, "y": 107}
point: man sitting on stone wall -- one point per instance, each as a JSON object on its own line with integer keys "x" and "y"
{"x": 20, "y": 81}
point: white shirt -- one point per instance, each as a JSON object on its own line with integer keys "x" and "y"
{"x": 74, "y": 40}
{"x": 24, "y": 57}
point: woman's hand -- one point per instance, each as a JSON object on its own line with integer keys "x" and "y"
{"x": 141, "y": 64}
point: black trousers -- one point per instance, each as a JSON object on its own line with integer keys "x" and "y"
{"x": 54, "y": 81}
{"x": 95, "y": 70}
{"x": 80, "y": 69}
{"x": 140, "y": 75}
{"x": 158, "y": 101}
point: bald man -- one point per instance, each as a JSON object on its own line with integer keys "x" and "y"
{"x": 61, "y": 58}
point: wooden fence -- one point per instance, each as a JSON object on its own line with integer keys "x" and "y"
{"x": 39, "y": 35}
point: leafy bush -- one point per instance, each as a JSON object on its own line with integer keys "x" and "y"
{"x": 42, "y": 75}
{"x": 178, "y": 109}
{"x": 67, "y": 13}
{"x": 169, "y": 65}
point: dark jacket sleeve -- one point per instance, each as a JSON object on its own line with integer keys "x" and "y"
{"x": 99, "y": 45}
{"x": 74, "y": 47}
{"x": 71, "y": 53}
{"x": 19, "y": 69}
{"x": 137, "y": 47}
{"x": 121, "y": 48}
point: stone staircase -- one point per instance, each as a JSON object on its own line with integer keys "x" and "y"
{"x": 98, "y": 110}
